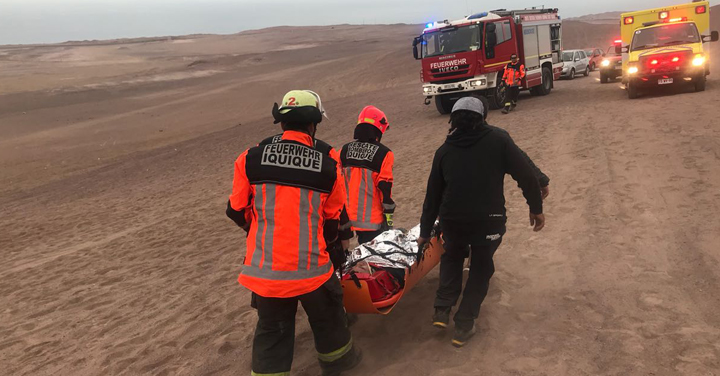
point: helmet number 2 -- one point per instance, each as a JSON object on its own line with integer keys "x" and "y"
{"x": 291, "y": 101}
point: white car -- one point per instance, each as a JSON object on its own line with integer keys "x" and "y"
{"x": 575, "y": 62}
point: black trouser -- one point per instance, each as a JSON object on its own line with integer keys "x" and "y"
{"x": 275, "y": 333}
{"x": 367, "y": 236}
{"x": 476, "y": 287}
{"x": 512, "y": 97}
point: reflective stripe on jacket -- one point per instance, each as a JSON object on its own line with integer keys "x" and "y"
{"x": 367, "y": 168}
{"x": 292, "y": 191}
{"x": 514, "y": 73}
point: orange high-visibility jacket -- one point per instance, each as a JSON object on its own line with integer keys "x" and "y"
{"x": 367, "y": 168}
{"x": 514, "y": 73}
{"x": 325, "y": 148}
{"x": 293, "y": 195}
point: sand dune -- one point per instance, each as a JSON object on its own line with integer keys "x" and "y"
{"x": 118, "y": 260}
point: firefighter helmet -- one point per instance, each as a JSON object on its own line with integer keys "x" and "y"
{"x": 303, "y": 106}
{"x": 373, "y": 116}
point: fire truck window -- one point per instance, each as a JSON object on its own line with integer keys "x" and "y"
{"x": 503, "y": 31}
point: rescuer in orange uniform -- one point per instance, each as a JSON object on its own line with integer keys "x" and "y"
{"x": 514, "y": 73}
{"x": 338, "y": 250}
{"x": 289, "y": 196}
{"x": 368, "y": 174}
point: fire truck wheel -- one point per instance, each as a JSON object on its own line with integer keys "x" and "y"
{"x": 547, "y": 83}
{"x": 444, "y": 104}
{"x": 700, "y": 83}
{"x": 632, "y": 90}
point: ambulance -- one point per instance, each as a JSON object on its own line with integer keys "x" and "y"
{"x": 666, "y": 46}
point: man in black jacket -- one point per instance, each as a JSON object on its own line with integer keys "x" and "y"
{"x": 469, "y": 200}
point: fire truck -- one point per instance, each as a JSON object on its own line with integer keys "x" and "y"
{"x": 468, "y": 56}
{"x": 666, "y": 46}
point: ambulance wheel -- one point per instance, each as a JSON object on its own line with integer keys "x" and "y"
{"x": 604, "y": 78}
{"x": 587, "y": 71}
{"x": 547, "y": 83}
{"x": 700, "y": 83}
{"x": 632, "y": 90}
{"x": 444, "y": 104}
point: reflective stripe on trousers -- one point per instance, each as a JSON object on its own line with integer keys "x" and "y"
{"x": 337, "y": 354}
{"x": 309, "y": 215}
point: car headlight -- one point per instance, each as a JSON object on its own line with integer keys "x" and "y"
{"x": 698, "y": 60}
{"x": 633, "y": 70}
{"x": 605, "y": 63}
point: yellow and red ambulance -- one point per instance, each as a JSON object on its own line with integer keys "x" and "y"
{"x": 666, "y": 46}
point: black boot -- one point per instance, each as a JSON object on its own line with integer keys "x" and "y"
{"x": 441, "y": 318}
{"x": 506, "y": 110}
{"x": 461, "y": 336}
{"x": 346, "y": 363}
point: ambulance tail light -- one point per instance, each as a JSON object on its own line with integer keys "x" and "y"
{"x": 702, "y": 9}
{"x": 629, "y": 20}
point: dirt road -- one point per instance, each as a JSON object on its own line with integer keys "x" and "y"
{"x": 118, "y": 260}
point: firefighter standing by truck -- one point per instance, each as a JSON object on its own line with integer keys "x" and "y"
{"x": 513, "y": 76}
{"x": 289, "y": 197}
{"x": 469, "y": 200}
{"x": 368, "y": 166}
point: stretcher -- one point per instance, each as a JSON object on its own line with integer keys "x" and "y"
{"x": 357, "y": 294}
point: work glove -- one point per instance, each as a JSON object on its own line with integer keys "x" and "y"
{"x": 389, "y": 220}
{"x": 423, "y": 244}
{"x": 338, "y": 255}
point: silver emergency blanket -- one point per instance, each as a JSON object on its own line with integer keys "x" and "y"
{"x": 392, "y": 249}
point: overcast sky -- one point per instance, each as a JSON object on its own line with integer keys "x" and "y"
{"x": 47, "y": 21}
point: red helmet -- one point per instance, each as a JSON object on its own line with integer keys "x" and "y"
{"x": 373, "y": 116}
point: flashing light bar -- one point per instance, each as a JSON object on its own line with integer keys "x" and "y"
{"x": 677, "y": 19}
{"x": 429, "y": 25}
{"x": 664, "y": 15}
{"x": 618, "y": 41}
{"x": 701, "y": 9}
{"x": 629, "y": 20}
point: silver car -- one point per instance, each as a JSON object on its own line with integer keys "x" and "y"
{"x": 575, "y": 62}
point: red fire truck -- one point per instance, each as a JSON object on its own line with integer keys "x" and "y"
{"x": 468, "y": 56}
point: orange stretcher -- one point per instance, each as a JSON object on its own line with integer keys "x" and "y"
{"x": 357, "y": 299}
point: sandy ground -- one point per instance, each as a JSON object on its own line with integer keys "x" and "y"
{"x": 116, "y": 162}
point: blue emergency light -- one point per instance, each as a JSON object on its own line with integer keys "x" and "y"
{"x": 429, "y": 25}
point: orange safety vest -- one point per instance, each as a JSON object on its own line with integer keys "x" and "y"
{"x": 367, "y": 166}
{"x": 514, "y": 74}
{"x": 291, "y": 190}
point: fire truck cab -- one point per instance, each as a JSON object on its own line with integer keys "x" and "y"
{"x": 468, "y": 56}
